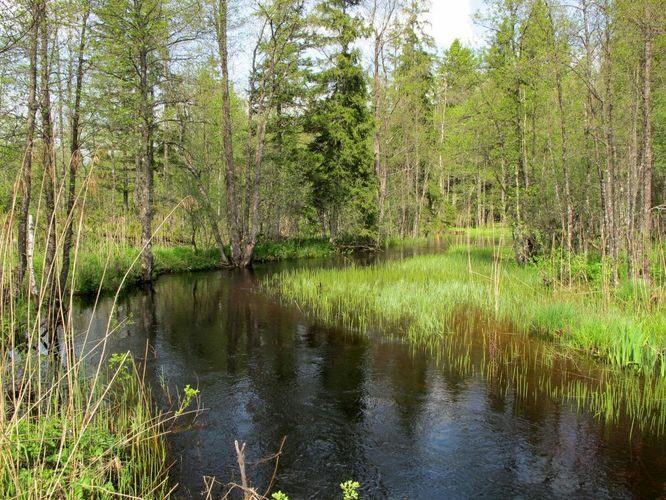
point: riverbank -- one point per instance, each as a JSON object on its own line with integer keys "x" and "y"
{"x": 70, "y": 434}
{"x": 108, "y": 270}
{"x": 420, "y": 296}
{"x": 105, "y": 271}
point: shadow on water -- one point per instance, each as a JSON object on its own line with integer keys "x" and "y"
{"x": 485, "y": 412}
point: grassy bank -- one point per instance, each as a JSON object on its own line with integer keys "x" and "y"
{"x": 105, "y": 269}
{"x": 68, "y": 435}
{"x": 70, "y": 427}
{"x": 420, "y": 296}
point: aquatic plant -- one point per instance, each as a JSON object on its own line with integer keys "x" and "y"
{"x": 350, "y": 490}
{"x": 420, "y": 296}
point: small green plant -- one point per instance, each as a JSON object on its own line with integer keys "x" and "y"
{"x": 278, "y": 495}
{"x": 118, "y": 362}
{"x": 350, "y": 490}
{"x": 189, "y": 394}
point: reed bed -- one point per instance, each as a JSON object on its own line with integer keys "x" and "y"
{"x": 66, "y": 436}
{"x": 71, "y": 427}
{"x": 421, "y": 296}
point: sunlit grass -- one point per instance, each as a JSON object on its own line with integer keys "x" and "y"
{"x": 421, "y": 295}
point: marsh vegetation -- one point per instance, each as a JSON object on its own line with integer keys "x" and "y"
{"x": 141, "y": 138}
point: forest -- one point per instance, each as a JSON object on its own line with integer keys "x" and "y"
{"x": 148, "y": 137}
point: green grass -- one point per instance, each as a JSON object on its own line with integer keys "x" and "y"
{"x": 105, "y": 269}
{"x": 293, "y": 249}
{"x": 68, "y": 435}
{"x": 420, "y": 297}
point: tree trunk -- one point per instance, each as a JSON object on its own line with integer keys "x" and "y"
{"x": 74, "y": 158}
{"x": 377, "y": 137}
{"x": 646, "y": 228}
{"x": 30, "y": 252}
{"x": 634, "y": 258}
{"x": 26, "y": 167}
{"x": 50, "y": 187}
{"x": 233, "y": 210}
{"x": 125, "y": 187}
{"x": 146, "y": 169}
{"x": 255, "y": 186}
{"x": 611, "y": 162}
{"x": 565, "y": 161}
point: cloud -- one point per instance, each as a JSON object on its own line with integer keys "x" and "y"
{"x": 451, "y": 19}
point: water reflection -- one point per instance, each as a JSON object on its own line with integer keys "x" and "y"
{"x": 485, "y": 413}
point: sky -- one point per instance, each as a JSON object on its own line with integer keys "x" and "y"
{"x": 451, "y": 19}
{"x": 447, "y": 19}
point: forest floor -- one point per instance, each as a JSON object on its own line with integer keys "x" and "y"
{"x": 625, "y": 326}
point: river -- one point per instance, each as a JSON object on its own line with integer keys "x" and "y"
{"x": 478, "y": 415}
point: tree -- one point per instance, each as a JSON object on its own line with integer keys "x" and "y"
{"x": 341, "y": 125}
{"x": 135, "y": 39}
{"x": 281, "y": 36}
{"x": 26, "y": 164}
{"x": 50, "y": 174}
{"x": 414, "y": 82}
{"x": 231, "y": 169}
{"x": 74, "y": 149}
{"x": 380, "y": 19}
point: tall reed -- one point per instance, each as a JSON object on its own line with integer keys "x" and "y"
{"x": 70, "y": 428}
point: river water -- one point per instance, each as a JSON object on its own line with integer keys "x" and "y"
{"x": 485, "y": 413}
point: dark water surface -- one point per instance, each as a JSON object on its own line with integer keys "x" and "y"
{"x": 481, "y": 415}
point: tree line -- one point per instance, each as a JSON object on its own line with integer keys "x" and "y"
{"x": 128, "y": 120}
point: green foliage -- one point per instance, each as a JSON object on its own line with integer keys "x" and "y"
{"x": 350, "y": 490}
{"x": 40, "y": 444}
{"x": 341, "y": 175}
{"x": 561, "y": 267}
{"x": 119, "y": 365}
{"x": 271, "y": 251}
{"x": 189, "y": 394}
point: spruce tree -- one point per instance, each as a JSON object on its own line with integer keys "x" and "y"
{"x": 341, "y": 124}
